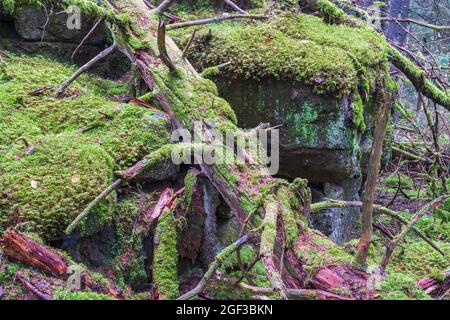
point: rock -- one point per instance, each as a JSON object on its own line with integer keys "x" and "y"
{"x": 317, "y": 140}
{"x": 164, "y": 170}
{"x": 210, "y": 202}
{"x": 93, "y": 251}
{"x": 30, "y": 20}
{"x": 337, "y": 223}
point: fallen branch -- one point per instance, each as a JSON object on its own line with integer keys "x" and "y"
{"x": 30, "y": 287}
{"x": 394, "y": 243}
{"x": 97, "y": 23}
{"x": 225, "y": 253}
{"x": 24, "y": 249}
{"x": 85, "y": 67}
{"x": 215, "y": 19}
{"x": 164, "y": 6}
{"x": 235, "y": 7}
{"x": 316, "y": 207}
{"x": 303, "y": 294}
{"x": 116, "y": 184}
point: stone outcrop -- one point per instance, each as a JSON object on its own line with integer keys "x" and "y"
{"x": 279, "y": 74}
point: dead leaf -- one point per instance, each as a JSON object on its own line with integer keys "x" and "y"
{"x": 75, "y": 179}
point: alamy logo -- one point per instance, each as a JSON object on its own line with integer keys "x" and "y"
{"x": 74, "y": 18}
{"x": 374, "y": 17}
{"x": 74, "y": 281}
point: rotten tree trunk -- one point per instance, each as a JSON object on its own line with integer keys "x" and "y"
{"x": 24, "y": 249}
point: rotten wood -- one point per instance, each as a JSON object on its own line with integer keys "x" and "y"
{"x": 27, "y": 251}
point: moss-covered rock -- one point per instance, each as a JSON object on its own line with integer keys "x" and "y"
{"x": 57, "y": 155}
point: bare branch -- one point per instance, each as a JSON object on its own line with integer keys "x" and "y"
{"x": 394, "y": 243}
{"x": 215, "y": 19}
{"x": 164, "y": 5}
{"x": 85, "y": 67}
{"x": 97, "y": 23}
{"x": 162, "y": 46}
{"x": 213, "y": 267}
{"x": 235, "y": 7}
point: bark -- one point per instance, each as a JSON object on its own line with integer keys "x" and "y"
{"x": 371, "y": 183}
{"x": 24, "y": 249}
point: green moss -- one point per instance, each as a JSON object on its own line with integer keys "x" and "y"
{"x": 210, "y": 72}
{"x": 395, "y": 180}
{"x": 165, "y": 260}
{"x": 64, "y": 294}
{"x": 419, "y": 261}
{"x": 57, "y": 155}
{"x": 303, "y": 48}
{"x": 398, "y": 286}
{"x": 88, "y": 7}
{"x": 129, "y": 265}
{"x": 358, "y": 113}
{"x": 317, "y": 252}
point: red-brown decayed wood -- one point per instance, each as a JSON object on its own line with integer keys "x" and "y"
{"x": 24, "y": 249}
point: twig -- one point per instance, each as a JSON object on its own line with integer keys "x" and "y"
{"x": 235, "y": 7}
{"x": 394, "y": 243}
{"x": 91, "y": 205}
{"x": 97, "y": 23}
{"x": 215, "y": 19}
{"x": 85, "y": 67}
{"x": 30, "y": 287}
{"x": 188, "y": 45}
{"x": 307, "y": 294}
{"x": 162, "y": 46}
{"x": 213, "y": 267}
{"x": 316, "y": 207}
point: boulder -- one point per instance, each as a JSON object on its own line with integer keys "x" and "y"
{"x": 51, "y": 24}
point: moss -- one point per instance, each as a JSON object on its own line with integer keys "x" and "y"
{"x": 358, "y": 113}
{"x": 398, "y": 286}
{"x": 165, "y": 260}
{"x": 64, "y": 294}
{"x": 210, "y": 72}
{"x": 329, "y": 58}
{"x": 316, "y": 252}
{"x": 57, "y": 155}
{"x": 289, "y": 219}
{"x": 419, "y": 261}
{"x": 395, "y": 180}
{"x": 88, "y": 7}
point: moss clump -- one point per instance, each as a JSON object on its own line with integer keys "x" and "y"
{"x": 88, "y": 7}
{"x": 398, "y": 286}
{"x": 130, "y": 258}
{"x": 316, "y": 251}
{"x": 358, "y": 113}
{"x": 57, "y": 155}
{"x": 399, "y": 179}
{"x": 64, "y": 294}
{"x": 165, "y": 259}
{"x": 419, "y": 261}
{"x": 329, "y": 58}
